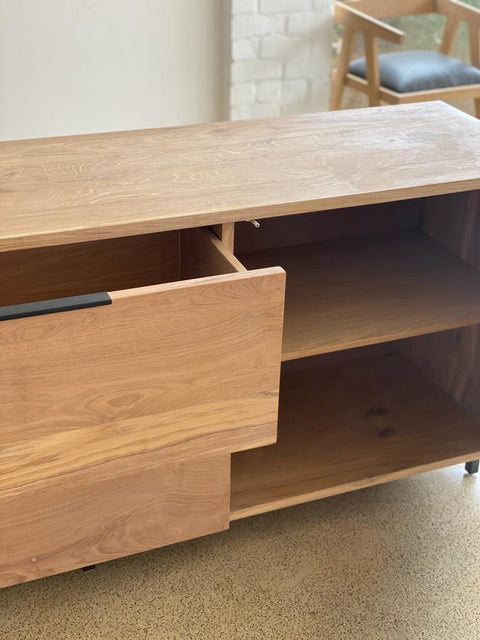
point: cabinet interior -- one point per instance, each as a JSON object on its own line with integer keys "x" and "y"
{"x": 111, "y": 265}
{"x": 379, "y": 379}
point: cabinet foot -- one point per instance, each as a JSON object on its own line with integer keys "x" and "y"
{"x": 90, "y": 567}
{"x": 472, "y": 467}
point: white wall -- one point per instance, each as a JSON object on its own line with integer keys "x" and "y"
{"x": 79, "y": 66}
{"x": 281, "y": 57}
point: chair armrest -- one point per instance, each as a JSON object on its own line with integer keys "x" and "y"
{"x": 359, "y": 21}
{"x": 460, "y": 11}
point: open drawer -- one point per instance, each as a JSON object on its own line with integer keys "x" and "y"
{"x": 120, "y": 410}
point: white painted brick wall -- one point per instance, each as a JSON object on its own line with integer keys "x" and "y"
{"x": 244, "y": 6}
{"x": 281, "y": 57}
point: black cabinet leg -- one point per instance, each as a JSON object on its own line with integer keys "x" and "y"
{"x": 90, "y": 567}
{"x": 472, "y": 467}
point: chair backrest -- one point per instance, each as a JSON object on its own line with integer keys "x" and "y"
{"x": 454, "y": 10}
{"x": 393, "y": 8}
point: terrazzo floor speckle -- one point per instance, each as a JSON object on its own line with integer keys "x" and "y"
{"x": 395, "y": 562}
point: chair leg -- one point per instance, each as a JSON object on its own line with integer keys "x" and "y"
{"x": 338, "y": 80}
{"x": 477, "y": 108}
{"x": 472, "y": 467}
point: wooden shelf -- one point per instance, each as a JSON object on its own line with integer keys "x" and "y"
{"x": 349, "y": 424}
{"x": 364, "y": 290}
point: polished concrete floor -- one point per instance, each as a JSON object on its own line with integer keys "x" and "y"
{"x": 395, "y": 562}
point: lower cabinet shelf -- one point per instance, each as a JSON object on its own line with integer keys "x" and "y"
{"x": 351, "y": 423}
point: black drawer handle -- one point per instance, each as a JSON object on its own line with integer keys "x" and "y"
{"x": 57, "y": 305}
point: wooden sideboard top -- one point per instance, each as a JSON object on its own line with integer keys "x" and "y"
{"x": 78, "y": 188}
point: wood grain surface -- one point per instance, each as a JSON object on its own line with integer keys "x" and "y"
{"x": 188, "y": 368}
{"x": 94, "y": 515}
{"x": 108, "y": 265}
{"x": 357, "y": 291}
{"x": 89, "y": 267}
{"x": 74, "y": 189}
{"x": 351, "y": 424}
{"x": 203, "y": 254}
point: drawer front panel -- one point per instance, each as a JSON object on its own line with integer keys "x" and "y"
{"x": 98, "y": 514}
{"x": 186, "y": 369}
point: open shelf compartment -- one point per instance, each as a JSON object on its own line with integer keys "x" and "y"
{"x": 350, "y": 422}
{"x": 355, "y": 291}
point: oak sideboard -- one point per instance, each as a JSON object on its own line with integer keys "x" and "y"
{"x": 204, "y": 323}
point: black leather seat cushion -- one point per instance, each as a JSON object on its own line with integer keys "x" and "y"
{"x": 407, "y": 71}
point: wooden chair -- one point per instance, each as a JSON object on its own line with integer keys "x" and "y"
{"x": 406, "y": 76}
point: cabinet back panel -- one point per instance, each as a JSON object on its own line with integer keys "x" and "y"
{"x": 315, "y": 227}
